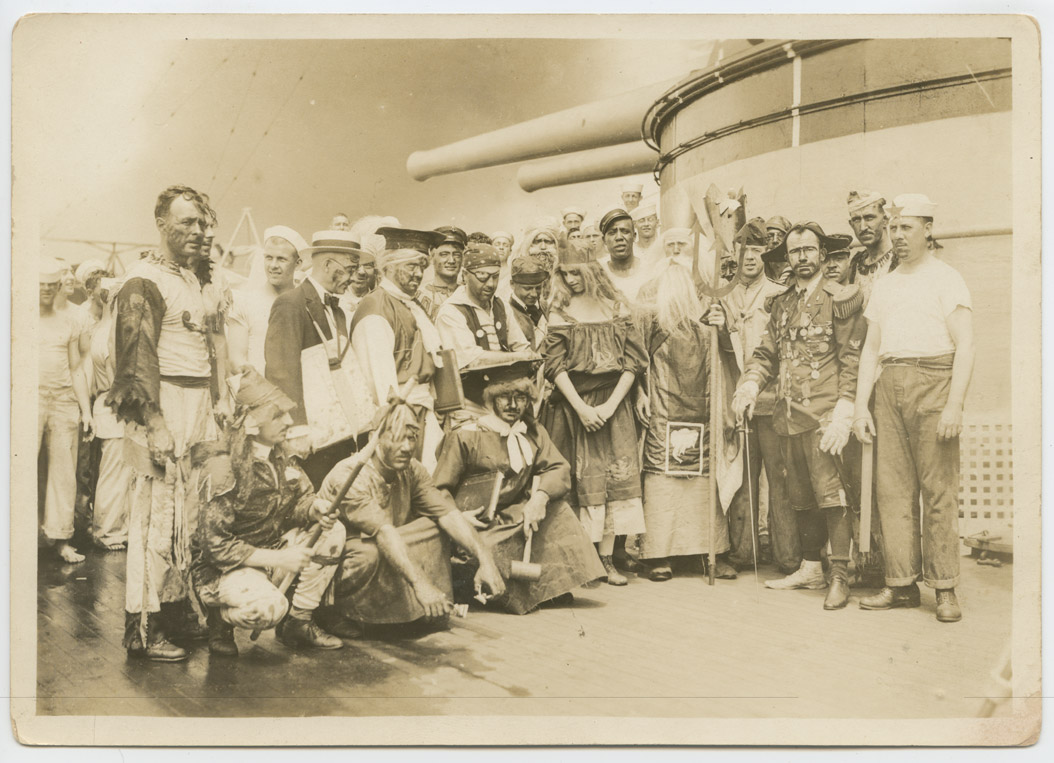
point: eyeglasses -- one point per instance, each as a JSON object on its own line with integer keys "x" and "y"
{"x": 810, "y": 250}
{"x": 520, "y": 398}
{"x": 484, "y": 278}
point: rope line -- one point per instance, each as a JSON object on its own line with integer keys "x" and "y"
{"x": 237, "y": 117}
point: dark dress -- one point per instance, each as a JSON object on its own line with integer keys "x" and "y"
{"x": 605, "y": 478}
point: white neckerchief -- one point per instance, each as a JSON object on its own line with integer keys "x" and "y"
{"x": 429, "y": 333}
{"x": 521, "y": 453}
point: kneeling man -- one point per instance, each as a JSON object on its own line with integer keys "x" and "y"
{"x": 259, "y": 508}
{"x": 396, "y": 566}
{"x": 535, "y": 479}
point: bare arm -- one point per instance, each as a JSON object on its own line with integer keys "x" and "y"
{"x": 80, "y": 383}
{"x": 608, "y": 407}
{"x": 960, "y": 327}
{"x": 237, "y": 344}
{"x": 455, "y": 525}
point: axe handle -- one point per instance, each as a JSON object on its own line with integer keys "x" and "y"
{"x": 866, "y": 464}
{"x": 316, "y": 531}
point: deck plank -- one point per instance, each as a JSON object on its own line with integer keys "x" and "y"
{"x": 678, "y": 648}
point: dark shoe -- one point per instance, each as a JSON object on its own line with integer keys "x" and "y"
{"x": 838, "y": 590}
{"x": 660, "y": 573}
{"x": 165, "y": 651}
{"x": 724, "y": 571}
{"x": 332, "y": 620}
{"x": 948, "y": 610}
{"x": 221, "y": 635}
{"x": 614, "y": 577}
{"x": 158, "y": 648}
{"x": 627, "y": 563}
{"x": 892, "y": 598}
{"x": 180, "y": 623}
{"x": 307, "y": 633}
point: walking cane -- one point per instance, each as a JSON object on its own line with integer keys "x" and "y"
{"x": 316, "y": 531}
{"x": 750, "y": 499}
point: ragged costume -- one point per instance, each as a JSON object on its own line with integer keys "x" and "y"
{"x": 525, "y": 456}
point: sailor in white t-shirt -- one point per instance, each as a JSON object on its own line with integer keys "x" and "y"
{"x": 920, "y": 331}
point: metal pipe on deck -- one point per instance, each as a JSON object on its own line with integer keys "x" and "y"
{"x": 607, "y": 122}
{"x": 597, "y": 164}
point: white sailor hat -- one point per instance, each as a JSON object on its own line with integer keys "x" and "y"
{"x": 913, "y": 205}
{"x": 290, "y": 235}
{"x": 632, "y": 187}
{"x": 642, "y": 211}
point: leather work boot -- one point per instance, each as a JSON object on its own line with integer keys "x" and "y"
{"x": 838, "y": 592}
{"x": 221, "y": 635}
{"x": 809, "y": 575}
{"x": 614, "y": 576}
{"x": 893, "y": 597}
{"x": 948, "y": 606}
{"x": 158, "y": 648}
{"x": 307, "y": 633}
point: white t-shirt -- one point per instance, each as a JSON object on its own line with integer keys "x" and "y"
{"x": 911, "y": 309}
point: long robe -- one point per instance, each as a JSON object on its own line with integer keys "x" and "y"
{"x": 471, "y": 456}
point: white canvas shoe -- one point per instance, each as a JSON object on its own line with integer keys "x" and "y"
{"x": 809, "y": 575}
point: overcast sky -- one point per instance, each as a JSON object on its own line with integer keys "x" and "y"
{"x": 300, "y": 129}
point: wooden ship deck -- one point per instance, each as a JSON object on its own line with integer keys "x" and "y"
{"x": 673, "y": 649}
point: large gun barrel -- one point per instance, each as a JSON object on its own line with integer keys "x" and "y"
{"x": 598, "y": 164}
{"x": 607, "y": 122}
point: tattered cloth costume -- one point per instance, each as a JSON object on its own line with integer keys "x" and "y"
{"x": 258, "y": 500}
{"x": 368, "y": 588}
{"x": 677, "y": 506}
{"x": 605, "y": 479}
{"x": 522, "y": 453}
{"x": 162, "y": 364}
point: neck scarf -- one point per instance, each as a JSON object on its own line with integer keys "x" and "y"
{"x": 521, "y": 453}
{"x": 429, "y": 334}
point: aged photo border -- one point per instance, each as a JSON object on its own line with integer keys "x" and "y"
{"x": 1026, "y": 393}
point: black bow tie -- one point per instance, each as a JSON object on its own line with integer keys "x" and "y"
{"x": 534, "y": 312}
{"x": 331, "y": 300}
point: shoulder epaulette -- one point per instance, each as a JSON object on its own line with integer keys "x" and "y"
{"x": 847, "y": 299}
{"x": 217, "y": 477}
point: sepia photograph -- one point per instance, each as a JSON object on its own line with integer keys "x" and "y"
{"x": 525, "y": 379}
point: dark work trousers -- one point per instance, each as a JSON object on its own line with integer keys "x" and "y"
{"x": 909, "y": 399}
{"x": 764, "y": 449}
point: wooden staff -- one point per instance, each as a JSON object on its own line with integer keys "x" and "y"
{"x": 866, "y": 464}
{"x": 316, "y": 529}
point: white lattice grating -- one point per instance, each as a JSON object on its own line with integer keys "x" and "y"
{"x": 986, "y": 480}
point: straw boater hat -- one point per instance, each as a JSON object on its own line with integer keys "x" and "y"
{"x": 830, "y": 243}
{"x": 332, "y": 242}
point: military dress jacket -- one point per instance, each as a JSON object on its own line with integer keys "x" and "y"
{"x": 812, "y": 348}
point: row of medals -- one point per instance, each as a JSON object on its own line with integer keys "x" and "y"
{"x": 806, "y": 329}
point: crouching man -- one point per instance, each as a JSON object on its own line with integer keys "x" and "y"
{"x": 396, "y": 566}
{"x": 535, "y": 479}
{"x": 259, "y": 510}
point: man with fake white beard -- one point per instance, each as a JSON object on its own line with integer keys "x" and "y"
{"x": 812, "y": 342}
{"x": 307, "y": 316}
{"x": 392, "y": 336}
